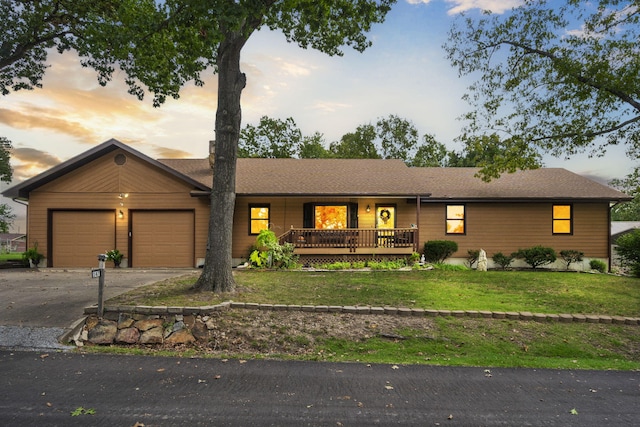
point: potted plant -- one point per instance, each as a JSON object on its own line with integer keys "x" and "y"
{"x": 116, "y": 256}
{"x": 32, "y": 257}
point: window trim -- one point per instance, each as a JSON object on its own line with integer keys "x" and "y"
{"x": 251, "y": 219}
{"x": 554, "y": 219}
{"x": 463, "y": 219}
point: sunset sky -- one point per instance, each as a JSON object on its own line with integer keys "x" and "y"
{"x": 404, "y": 73}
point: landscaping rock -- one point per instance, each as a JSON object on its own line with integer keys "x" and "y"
{"x": 183, "y": 336}
{"x": 127, "y": 336}
{"x": 146, "y": 324}
{"x": 152, "y": 336}
{"x": 200, "y": 332}
{"x": 104, "y": 332}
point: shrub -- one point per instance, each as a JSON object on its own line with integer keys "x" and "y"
{"x": 472, "y": 257}
{"x": 503, "y": 260}
{"x": 596, "y": 264}
{"x": 537, "y": 256}
{"x": 33, "y": 255}
{"x": 570, "y": 255}
{"x": 450, "y": 267}
{"x": 269, "y": 253}
{"x": 338, "y": 265}
{"x": 439, "y": 250}
{"x": 414, "y": 258}
{"x": 114, "y": 255}
{"x": 387, "y": 264}
{"x": 628, "y": 247}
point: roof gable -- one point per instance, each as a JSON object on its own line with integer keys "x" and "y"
{"x": 23, "y": 189}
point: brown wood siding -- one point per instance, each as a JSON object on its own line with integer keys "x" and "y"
{"x": 162, "y": 239}
{"x": 97, "y": 186}
{"x": 78, "y": 237}
{"x": 507, "y": 227}
{"x": 287, "y": 212}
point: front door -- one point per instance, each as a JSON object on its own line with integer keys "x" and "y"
{"x": 385, "y": 220}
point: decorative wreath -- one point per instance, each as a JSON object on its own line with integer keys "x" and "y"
{"x": 385, "y": 215}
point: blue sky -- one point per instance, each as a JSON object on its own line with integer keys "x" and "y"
{"x": 405, "y": 73}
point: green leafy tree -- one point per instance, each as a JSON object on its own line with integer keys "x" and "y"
{"x": 430, "y": 153}
{"x": 629, "y": 211}
{"x": 554, "y": 77}
{"x": 159, "y": 46}
{"x": 313, "y": 147}
{"x": 272, "y": 138}
{"x": 28, "y": 29}
{"x": 397, "y": 138}
{"x": 628, "y": 247}
{"x": 356, "y": 145}
{"x": 6, "y": 218}
{"x": 390, "y": 138}
{"x": 5, "y": 156}
{"x": 492, "y": 155}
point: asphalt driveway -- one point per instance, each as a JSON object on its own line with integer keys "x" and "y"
{"x": 36, "y": 306}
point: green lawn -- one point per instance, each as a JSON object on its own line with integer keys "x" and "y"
{"x": 436, "y": 340}
{"x": 4, "y": 257}
{"x": 541, "y": 292}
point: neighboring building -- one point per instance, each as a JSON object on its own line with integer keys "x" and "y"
{"x": 156, "y": 211}
{"x": 620, "y": 228}
{"x": 13, "y": 242}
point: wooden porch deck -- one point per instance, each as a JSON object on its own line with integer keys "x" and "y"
{"x": 360, "y": 241}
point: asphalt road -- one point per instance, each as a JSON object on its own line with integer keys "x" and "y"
{"x": 44, "y": 389}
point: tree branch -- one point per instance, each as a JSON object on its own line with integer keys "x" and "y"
{"x": 581, "y": 78}
{"x": 590, "y": 134}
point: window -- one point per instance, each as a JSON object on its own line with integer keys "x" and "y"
{"x": 562, "y": 221}
{"x": 258, "y": 218}
{"x": 455, "y": 219}
{"x": 328, "y": 217}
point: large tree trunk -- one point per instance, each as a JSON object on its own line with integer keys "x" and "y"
{"x": 217, "y": 274}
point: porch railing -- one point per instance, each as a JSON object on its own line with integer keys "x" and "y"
{"x": 352, "y": 238}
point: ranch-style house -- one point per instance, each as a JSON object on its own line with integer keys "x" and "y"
{"x": 156, "y": 212}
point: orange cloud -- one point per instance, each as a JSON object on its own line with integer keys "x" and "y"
{"x": 42, "y": 118}
{"x": 27, "y": 162}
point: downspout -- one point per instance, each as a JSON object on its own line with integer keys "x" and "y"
{"x": 609, "y": 242}
{"x": 26, "y": 205}
{"x": 416, "y": 243}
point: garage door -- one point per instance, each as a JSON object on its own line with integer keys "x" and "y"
{"x": 162, "y": 239}
{"x": 78, "y": 237}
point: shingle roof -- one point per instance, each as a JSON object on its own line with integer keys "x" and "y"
{"x": 356, "y": 177}
{"x": 544, "y": 183}
{"x": 360, "y": 177}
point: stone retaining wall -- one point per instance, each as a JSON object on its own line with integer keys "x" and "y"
{"x": 184, "y": 325}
